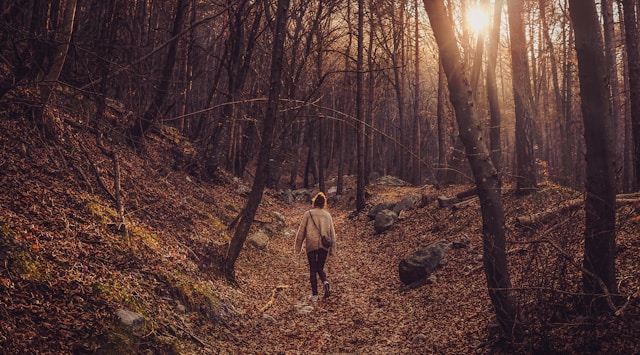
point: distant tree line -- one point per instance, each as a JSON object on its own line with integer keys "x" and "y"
{"x": 202, "y": 68}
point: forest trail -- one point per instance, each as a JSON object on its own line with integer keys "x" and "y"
{"x": 366, "y": 312}
{"x": 60, "y": 252}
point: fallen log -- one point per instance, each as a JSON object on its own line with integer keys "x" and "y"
{"x": 464, "y": 195}
{"x": 546, "y": 216}
{"x": 465, "y": 203}
{"x": 567, "y": 206}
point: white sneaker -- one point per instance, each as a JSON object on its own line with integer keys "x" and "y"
{"x": 313, "y": 298}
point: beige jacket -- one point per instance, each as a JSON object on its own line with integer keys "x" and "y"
{"x": 307, "y": 232}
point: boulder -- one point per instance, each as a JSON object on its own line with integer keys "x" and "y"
{"x": 259, "y": 239}
{"x": 408, "y": 203}
{"x": 129, "y": 318}
{"x": 423, "y": 262}
{"x": 391, "y": 181}
{"x": 373, "y": 212}
{"x": 304, "y": 195}
{"x": 384, "y": 220}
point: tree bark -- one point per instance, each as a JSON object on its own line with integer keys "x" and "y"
{"x": 486, "y": 176}
{"x": 610, "y": 56}
{"x": 525, "y": 160}
{"x": 492, "y": 87}
{"x": 150, "y": 115}
{"x": 262, "y": 172}
{"x": 633, "y": 62}
{"x": 360, "y": 198}
{"x": 600, "y": 231}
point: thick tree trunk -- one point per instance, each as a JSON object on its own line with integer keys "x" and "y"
{"x": 262, "y": 172}
{"x": 600, "y": 231}
{"x": 487, "y": 178}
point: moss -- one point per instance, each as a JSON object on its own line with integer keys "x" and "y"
{"x": 137, "y": 233}
{"x": 25, "y": 264}
{"x": 116, "y": 293}
{"x": 103, "y": 214}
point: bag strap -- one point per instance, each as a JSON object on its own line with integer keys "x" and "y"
{"x": 314, "y": 223}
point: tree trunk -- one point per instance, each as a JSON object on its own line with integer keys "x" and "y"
{"x": 487, "y": 178}
{"x": 564, "y": 142}
{"x": 442, "y": 126}
{"x": 492, "y": 88}
{"x": 525, "y": 161}
{"x": 600, "y": 231}
{"x": 150, "y": 115}
{"x": 633, "y": 61}
{"x": 262, "y": 171}
{"x": 241, "y": 49}
{"x": 63, "y": 38}
{"x": 417, "y": 137}
{"x": 360, "y": 199}
{"x": 610, "y": 56}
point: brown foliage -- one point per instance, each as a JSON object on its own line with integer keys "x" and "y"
{"x": 65, "y": 270}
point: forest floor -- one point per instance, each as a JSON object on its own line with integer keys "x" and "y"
{"x": 65, "y": 269}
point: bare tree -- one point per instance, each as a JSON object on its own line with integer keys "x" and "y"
{"x": 492, "y": 87}
{"x": 525, "y": 161}
{"x": 152, "y": 112}
{"x": 360, "y": 198}
{"x": 262, "y": 172}
{"x": 600, "y": 204}
{"x": 633, "y": 61}
{"x": 486, "y": 176}
{"x": 614, "y": 97}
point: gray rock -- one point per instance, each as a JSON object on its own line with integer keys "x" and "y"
{"x": 384, "y": 220}
{"x": 129, "y": 318}
{"x": 259, "y": 239}
{"x": 302, "y": 195}
{"x": 423, "y": 262}
{"x": 391, "y": 181}
{"x": 408, "y": 203}
{"x": 373, "y": 212}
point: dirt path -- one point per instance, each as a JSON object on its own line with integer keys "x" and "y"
{"x": 367, "y": 312}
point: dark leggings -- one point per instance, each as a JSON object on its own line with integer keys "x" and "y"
{"x": 317, "y": 258}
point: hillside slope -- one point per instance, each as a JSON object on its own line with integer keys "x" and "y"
{"x": 67, "y": 269}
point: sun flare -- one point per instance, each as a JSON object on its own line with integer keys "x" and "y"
{"x": 477, "y": 19}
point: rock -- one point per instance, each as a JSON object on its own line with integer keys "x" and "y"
{"x": 373, "y": 212}
{"x": 462, "y": 243}
{"x": 384, "y": 220}
{"x": 287, "y": 197}
{"x": 422, "y": 262}
{"x": 444, "y": 201}
{"x": 129, "y": 318}
{"x": 302, "y": 195}
{"x": 259, "y": 239}
{"x": 391, "y": 181}
{"x": 279, "y": 217}
{"x": 332, "y": 190}
{"x": 408, "y": 203}
{"x": 304, "y": 308}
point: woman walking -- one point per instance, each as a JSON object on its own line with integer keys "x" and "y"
{"x": 316, "y": 224}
